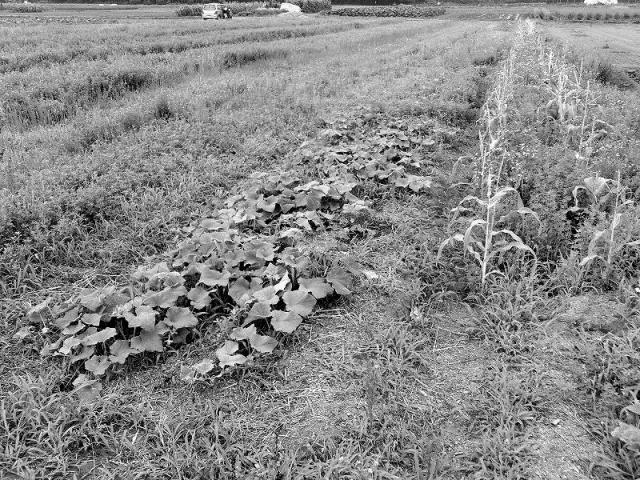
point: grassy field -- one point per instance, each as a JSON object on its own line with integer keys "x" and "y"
{"x": 462, "y": 300}
{"x": 619, "y": 44}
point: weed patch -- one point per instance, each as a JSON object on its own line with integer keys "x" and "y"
{"x": 243, "y": 57}
{"x": 510, "y": 407}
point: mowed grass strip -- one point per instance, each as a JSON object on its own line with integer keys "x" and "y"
{"x": 110, "y": 42}
{"x": 52, "y": 94}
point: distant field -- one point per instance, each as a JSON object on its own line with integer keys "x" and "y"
{"x": 504, "y": 11}
{"x": 620, "y": 44}
{"x": 86, "y": 12}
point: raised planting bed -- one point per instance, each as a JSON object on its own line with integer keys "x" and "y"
{"x": 391, "y": 11}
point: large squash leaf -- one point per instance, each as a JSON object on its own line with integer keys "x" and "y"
{"x": 318, "y": 287}
{"x": 227, "y": 355}
{"x": 100, "y": 336}
{"x": 97, "y": 365}
{"x": 285, "y": 321}
{"x": 299, "y": 301}
{"x": 178, "y": 317}
{"x": 147, "y": 341}
{"x": 165, "y": 298}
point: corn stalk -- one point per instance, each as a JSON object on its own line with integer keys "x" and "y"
{"x": 481, "y": 239}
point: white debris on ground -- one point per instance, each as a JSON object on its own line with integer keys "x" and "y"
{"x": 290, "y": 8}
{"x": 601, "y": 2}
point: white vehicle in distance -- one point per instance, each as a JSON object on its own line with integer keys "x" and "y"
{"x": 216, "y": 11}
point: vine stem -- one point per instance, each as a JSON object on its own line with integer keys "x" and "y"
{"x": 613, "y": 225}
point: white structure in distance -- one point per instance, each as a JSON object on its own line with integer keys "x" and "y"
{"x": 600, "y": 2}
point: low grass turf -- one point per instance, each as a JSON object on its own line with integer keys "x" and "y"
{"x": 421, "y": 373}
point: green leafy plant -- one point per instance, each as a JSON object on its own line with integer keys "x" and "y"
{"x": 481, "y": 238}
{"x": 238, "y": 265}
{"x": 388, "y": 155}
{"x": 607, "y": 243}
{"x": 612, "y": 366}
{"x": 281, "y": 204}
{"x": 226, "y": 266}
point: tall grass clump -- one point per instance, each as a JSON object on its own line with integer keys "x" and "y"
{"x": 237, "y": 58}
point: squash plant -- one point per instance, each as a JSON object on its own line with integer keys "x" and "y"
{"x": 225, "y": 264}
{"x": 237, "y": 262}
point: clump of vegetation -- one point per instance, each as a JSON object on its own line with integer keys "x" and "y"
{"x": 313, "y": 6}
{"x": 246, "y": 9}
{"x": 239, "y": 58}
{"x": 189, "y": 11}
{"x": 486, "y": 243}
{"x": 540, "y": 157}
{"x": 596, "y": 14}
{"x": 578, "y": 222}
{"x": 27, "y": 8}
{"x": 60, "y": 97}
{"x": 613, "y": 228}
{"x": 162, "y": 110}
{"x": 398, "y": 11}
{"x": 163, "y": 303}
{"x": 256, "y": 12}
{"x": 182, "y": 38}
{"x": 222, "y": 265}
